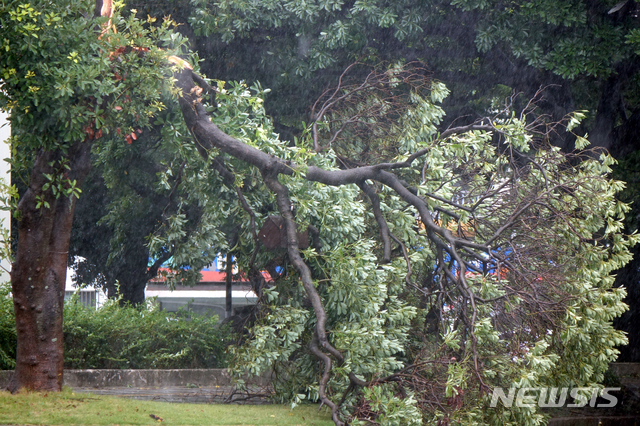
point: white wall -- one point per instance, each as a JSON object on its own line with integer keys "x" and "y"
{"x": 5, "y": 173}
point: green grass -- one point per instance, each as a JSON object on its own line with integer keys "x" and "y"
{"x": 69, "y": 408}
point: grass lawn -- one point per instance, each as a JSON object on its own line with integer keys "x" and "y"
{"x": 69, "y": 408}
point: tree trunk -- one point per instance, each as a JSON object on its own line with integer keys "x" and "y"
{"x": 601, "y": 135}
{"x": 228, "y": 303}
{"x": 132, "y": 273}
{"x": 40, "y": 269}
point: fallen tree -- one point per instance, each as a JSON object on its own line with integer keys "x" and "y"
{"x": 491, "y": 267}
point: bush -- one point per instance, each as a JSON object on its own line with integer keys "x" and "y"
{"x": 7, "y": 329}
{"x": 143, "y": 337}
{"x": 127, "y": 337}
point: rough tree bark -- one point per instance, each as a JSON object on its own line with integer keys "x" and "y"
{"x": 39, "y": 272}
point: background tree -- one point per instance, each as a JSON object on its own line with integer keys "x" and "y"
{"x": 122, "y": 205}
{"x": 113, "y": 258}
{"x": 589, "y": 49}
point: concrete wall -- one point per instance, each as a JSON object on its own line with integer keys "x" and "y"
{"x": 626, "y": 370}
{"x": 143, "y": 378}
{"x": 628, "y": 373}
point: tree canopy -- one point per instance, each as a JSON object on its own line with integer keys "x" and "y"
{"x": 585, "y": 53}
{"x": 588, "y": 49}
{"x": 447, "y": 260}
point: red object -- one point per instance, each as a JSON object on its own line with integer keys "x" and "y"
{"x": 215, "y": 276}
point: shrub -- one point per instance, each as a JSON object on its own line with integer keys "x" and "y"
{"x": 141, "y": 337}
{"x": 127, "y": 337}
{"x": 7, "y": 329}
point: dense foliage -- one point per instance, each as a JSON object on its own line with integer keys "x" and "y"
{"x": 121, "y": 337}
{"x": 587, "y": 49}
{"x": 534, "y": 311}
{"x": 53, "y": 78}
{"x": 586, "y": 53}
{"x": 7, "y": 330}
{"x": 142, "y": 337}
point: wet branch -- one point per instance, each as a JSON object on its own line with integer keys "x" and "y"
{"x": 320, "y": 335}
{"x": 382, "y": 223}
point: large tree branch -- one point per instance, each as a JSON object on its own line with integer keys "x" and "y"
{"x": 456, "y": 254}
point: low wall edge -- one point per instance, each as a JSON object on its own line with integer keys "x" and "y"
{"x": 145, "y": 378}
